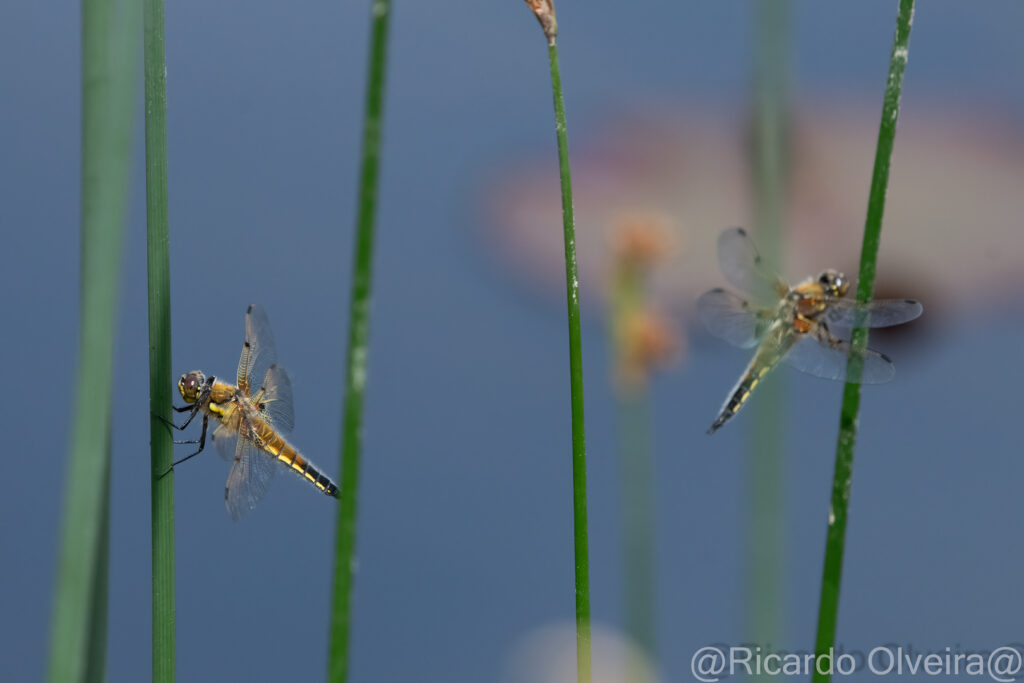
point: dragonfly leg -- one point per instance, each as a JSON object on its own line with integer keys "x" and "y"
{"x": 195, "y": 411}
{"x": 163, "y": 419}
{"x": 201, "y": 442}
{"x": 826, "y": 337}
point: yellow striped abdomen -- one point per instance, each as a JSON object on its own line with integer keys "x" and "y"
{"x": 739, "y": 395}
{"x": 766, "y": 358}
{"x": 286, "y": 454}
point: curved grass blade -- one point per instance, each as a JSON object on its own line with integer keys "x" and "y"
{"x": 358, "y": 343}
{"x": 109, "y": 41}
{"x": 97, "y": 661}
{"x": 545, "y": 12}
{"x": 836, "y": 536}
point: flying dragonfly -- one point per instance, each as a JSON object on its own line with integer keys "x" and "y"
{"x": 791, "y": 324}
{"x": 253, "y": 419}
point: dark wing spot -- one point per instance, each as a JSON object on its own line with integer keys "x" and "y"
{"x": 248, "y": 310}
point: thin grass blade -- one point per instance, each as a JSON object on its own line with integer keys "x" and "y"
{"x": 581, "y": 550}
{"x": 159, "y": 292}
{"x": 544, "y": 10}
{"x": 358, "y": 347}
{"x": 836, "y": 536}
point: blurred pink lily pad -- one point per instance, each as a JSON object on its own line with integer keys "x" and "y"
{"x": 952, "y": 234}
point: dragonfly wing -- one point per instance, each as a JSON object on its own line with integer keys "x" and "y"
{"x": 258, "y": 351}
{"x": 729, "y": 317}
{"x": 226, "y": 441}
{"x": 828, "y": 359}
{"x": 276, "y": 402}
{"x": 742, "y": 266}
{"x": 879, "y": 313}
{"x": 249, "y": 478}
{"x": 225, "y": 436}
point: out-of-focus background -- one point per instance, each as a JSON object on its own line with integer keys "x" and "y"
{"x": 465, "y": 568}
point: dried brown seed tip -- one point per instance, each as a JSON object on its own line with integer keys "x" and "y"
{"x": 545, "y": 11}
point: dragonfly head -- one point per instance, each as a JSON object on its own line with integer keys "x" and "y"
{"x": 190, "y": 385}
{"x": 833, "y": 282}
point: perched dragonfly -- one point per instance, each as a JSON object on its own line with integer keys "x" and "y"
{"x": 252, "y": 419}
{"x": 791, "y": 324}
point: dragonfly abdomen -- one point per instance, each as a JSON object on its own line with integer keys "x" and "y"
{"x": 740, "y": 394}
{"x": 298, "y": 464}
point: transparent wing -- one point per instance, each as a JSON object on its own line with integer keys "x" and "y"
{"x": 744, "y": 269}
{"x": 225, "y": 436}
{"x": 880, "y": 313}
{"x": 258, "y": 351}
{"x": 828, "y": 359}
{"x": 275, "y": 399}
{"x": 249, "y": 478}
{"x": 729, "y": 317}
{"x": 226, "y": 441}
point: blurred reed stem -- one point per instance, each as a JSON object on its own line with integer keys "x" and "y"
{"x": 109, "y": 42}
{"x": 358, "y": 346}
{"x": 836, "y": 536}
{"x": 159, "y": 293}
{"x": 545, "y": 13}
{"x": 97, "y": 661}
{"x": 628, "y": 298}
{"x": 769, "y": 176}
{"x": 638, "y": 518}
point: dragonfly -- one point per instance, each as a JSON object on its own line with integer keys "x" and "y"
{"x": 806, "y": 325}
{"x": 253, "y": 420}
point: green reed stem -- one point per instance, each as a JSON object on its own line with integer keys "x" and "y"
{"x": 109, "y": 34}
{"x": 579, "y": 453}
{"x": 160, "y": 378}
{"x": 836, "y": 536}
{"x": 769, "y": 175}
{"x": 358, "y": 345}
